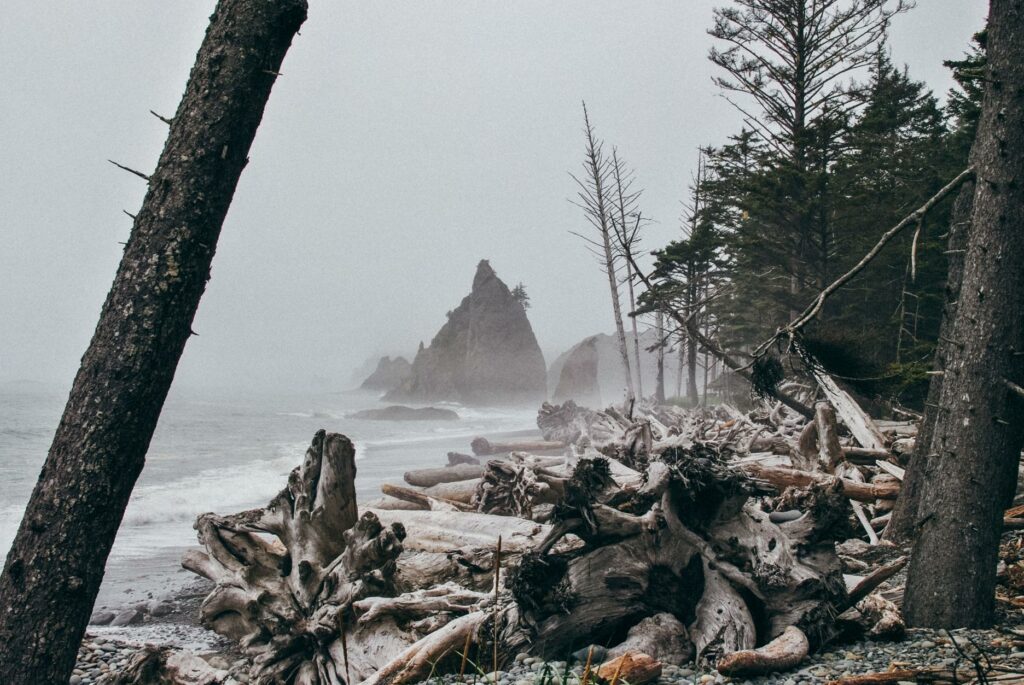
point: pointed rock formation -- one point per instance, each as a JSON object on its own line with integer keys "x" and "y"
{"x": 389, "y": 374}
{"x": 578, "y": 378}
{"x": 485, "y": 354}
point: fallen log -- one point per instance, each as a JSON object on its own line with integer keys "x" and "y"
{"x": 394, "y": 504}
{"x": 782, "y": 477}
{"x": 868, "y": 584}
{"x": 482, "y": 447}
{"x": 437, "y": 531}
{"x": 421, "y": 498}
{"x": 860, "y": 424}
{"x": 425, "y": 478}
{"x": 865, "y": 456}
{"x": 458, "y": 491}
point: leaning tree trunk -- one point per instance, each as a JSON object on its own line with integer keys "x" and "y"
{"x": 56, "y": 563}
{"x": 904, "y": 516}
{"x": 971, "y": 469}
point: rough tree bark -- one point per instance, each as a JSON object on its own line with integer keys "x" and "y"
{"x": 904, "y": 516}
{"x": 56, "y": 563}
{"x": 970, "y": 472}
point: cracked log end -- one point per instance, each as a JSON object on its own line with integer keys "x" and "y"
{"x": 781, "y": 654}
{"x": 635, "y": 668}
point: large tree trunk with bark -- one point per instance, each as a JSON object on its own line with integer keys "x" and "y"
{"x": 970, "y": 470}
{"x": 904, "y": 516}
{"x": 55, "y": 566}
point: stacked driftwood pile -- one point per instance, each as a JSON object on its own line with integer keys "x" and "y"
{"x": 710, "y": 530}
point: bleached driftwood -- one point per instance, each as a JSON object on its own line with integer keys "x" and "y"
{"x": 425, "y": 478}
{"x": 678, "y": 530}
{"x": 860, "y": 424}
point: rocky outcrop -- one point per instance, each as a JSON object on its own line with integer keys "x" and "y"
{"x": 485, "y": 354}
{"x": 389, "y": 374}
{"x": 400, "y": 413}
{"x": 578, "y": 378}
{"x": 611, "y": 381}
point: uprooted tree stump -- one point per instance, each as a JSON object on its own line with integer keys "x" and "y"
{"x": 318, "y": 603}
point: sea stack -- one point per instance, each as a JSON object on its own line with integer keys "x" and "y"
{"x": 389, "y": 374}
{"x": 578, "y": 378}
{"x": 486, "y": 353}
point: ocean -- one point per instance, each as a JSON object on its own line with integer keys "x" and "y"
{"x": 223, "y": 452}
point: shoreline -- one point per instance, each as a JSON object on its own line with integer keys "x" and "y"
{"x": 141, "y": 582}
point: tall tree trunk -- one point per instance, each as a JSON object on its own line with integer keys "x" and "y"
{"x": 55, "y": 566}
{"x": 659, "y": 379}
{"x": 904, "y": 516}
{"x": 636, "y": 335}
{"x": 970, "y": 471}
{"x": 691, "y": 371}
{"x": 620, "y": 330}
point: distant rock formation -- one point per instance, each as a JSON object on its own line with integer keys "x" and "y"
{"x": 400, "y": 413}
{"x": 389, "y": 374}
{"x": 485, "y": 354}
{"x": 611, "y": 381}
{"x": 578, "y": 378}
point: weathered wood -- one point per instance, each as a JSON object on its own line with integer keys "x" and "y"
{"x": 394, "y": 504}
{"x": 781, "y": 654}
{"x": 416, "y": 661}
{"x": 891, "y": 469}
{"x": 864, "y": 455}
{"x": 421, "y": 498}
{"x": 153, "y": 665}
{"x": 458, "y": 491}
{"x": 425, "y": 478}
{"x": 635, "y": 668}
{"x": 438, "y": 531}
{"x": 285, "y": 602}
{"x": 860, "y": 424}
{"x": 829, "y": 451}
{"x": 868, "y": 584}
{"x": 782, "y": 477}
{"x": 482, "y": 447}
{"x": 858, "y": 510}
{"x": 53, "y": 572}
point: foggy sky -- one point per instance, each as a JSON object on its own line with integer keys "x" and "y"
{"x": 404, "y": 142}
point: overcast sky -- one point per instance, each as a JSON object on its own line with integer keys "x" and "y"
{"x": 404, "y": 142}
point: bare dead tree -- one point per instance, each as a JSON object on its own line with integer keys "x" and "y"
{"x": 55, "y": 566}
{"x": 593, "y": 197}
